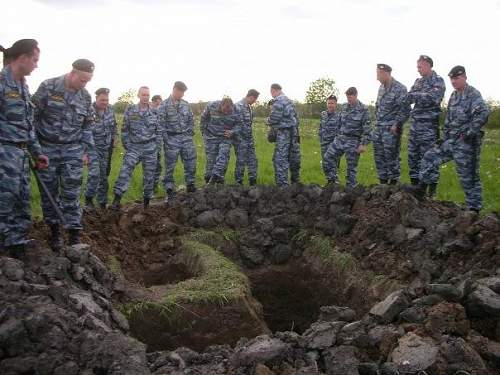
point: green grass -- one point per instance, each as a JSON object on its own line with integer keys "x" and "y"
{"x": 219, "y": 281}
{"x": 311, "y": 172}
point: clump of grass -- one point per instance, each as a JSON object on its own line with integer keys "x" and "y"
{"x": 115, "y": 266}
{"x": 220, "y": 281}
{"x": 324, "y": 248}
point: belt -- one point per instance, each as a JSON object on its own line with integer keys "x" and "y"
{"x": 21, "y": 145}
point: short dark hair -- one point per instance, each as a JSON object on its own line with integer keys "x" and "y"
{"x": 331, "y": 97}
{"x": 21, "y": 47}
{"x": 102, "y": 90}
{"x": 276, "y": 86}
{"x": 253, "y": 92}
{"x": 226, "y": 101}
{"x": 155, "y": 97}
{"x": 179, "y": 85}
{"x": 427, "y": 59}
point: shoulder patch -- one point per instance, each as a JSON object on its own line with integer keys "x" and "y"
{"x": 13, "y": 94}
{"x": 57, "y": 97}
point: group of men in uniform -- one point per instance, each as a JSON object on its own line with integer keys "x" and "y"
{"x": 59, "y": 129}
{"x": 348, "y": 131}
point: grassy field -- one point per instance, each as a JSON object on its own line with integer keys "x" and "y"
{"x": 311, "y": 172}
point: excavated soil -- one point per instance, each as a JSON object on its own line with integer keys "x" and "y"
{"x": 360, "y": 282}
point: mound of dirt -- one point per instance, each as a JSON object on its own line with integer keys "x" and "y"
{"x": 367, "y": 281}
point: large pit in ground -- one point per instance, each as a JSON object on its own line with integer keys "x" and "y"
{"x": 226, "y": 263}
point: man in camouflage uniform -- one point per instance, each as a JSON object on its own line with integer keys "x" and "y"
{"x": 426, "y": 95}
{"x": 353, "y": 137}
{"x": 284, "y": 120}
{"x": 99, "y": 158}
{"x": 467, "y": 113}
{"x": 329, "y": 126}
{"x": 17, "y": 137}
{"x": 245, "y": 149}
{"x": 177, "y": 123}
{"x": 141, "y": 137}
{"x": 392, "y": 111}
{"x": 155, "y": 103}
{"x": 63, "y": 120}
{"x": 220, "y": 125}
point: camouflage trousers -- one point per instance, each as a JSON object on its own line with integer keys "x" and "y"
{"x": 157, "y": 174}
{"x": 324, "y": 144}
{"x": 97, "y": 178}
{"x": 286, "y": 157}
{"x": 183, "y": 145}
{"x": 145, "y": 153}
{"x": 340, "y": 146}
{"x": 386, "y": 152}
{"x": 63, "y": 179}
{"x": 15, "y": 208}
{"x": 466, "y": 156}
{"x": 218, "y": 151}
{"x": 246, "y": 158}
{"x": 422, "y": 137}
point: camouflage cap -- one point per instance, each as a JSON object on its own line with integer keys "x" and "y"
{"x": 384, "y": 67}
{"x": 102, "y": 90}
{"x": 351, "y": 91}
{"x": 84, "y": 65}
{"x": 456, "y": 71}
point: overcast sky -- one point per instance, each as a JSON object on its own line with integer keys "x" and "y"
{"x": 222, "y": 47}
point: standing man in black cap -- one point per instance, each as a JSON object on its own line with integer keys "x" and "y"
{"x": 177, "y": 124}
{"x": 104, "y": 134}
{"x": 63, "y": 122}
{"x": 426, "y": 95}
{"x": 352, "y": 139}
{"x": 17, "y": 138}
{"x": 466, "y": 115}
{"x": 392, "y": 111}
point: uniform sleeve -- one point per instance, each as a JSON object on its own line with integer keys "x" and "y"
{"x": 238, "y": 119}
{"x": 88, "y": 124}
{"x": 367, "y": 127}
{"x": 114, "y": 128}
{"x": 447, "y": 121}
{"x": 33, "y": 144}
{"x": 39, "y": 100}
{"x": 433, "y": 97}
{"x": 205, "y": 119}
{"x": 190, "y": 119}
{"x": 125, "y": 128}
{"x": 403, "y": 108}
{"x": 276, "y": 114}
{"x": 479, "y": 115}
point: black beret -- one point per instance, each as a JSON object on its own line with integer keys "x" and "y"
{"x": 253, "y": 92}
{"x": 426, "y": 58}
{"x": 351, "y": 91}
{"x": 456, "y": 71}
{"x": 156, "y": 97}
{"x": 384, "y": 67}
{"x": 276, "y": 86}
{"x": 84, "y": 65}
{"x": 180, "y": 86}
{"x": 102, "y": 90}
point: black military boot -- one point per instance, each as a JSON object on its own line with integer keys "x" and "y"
{"x": 420, "y": 191}
{"x": 73, "y": 236}
{"x": 146, "y": 202}
{"x": 89, "y": 203}
{"x": 102, "y": 206}
{"x": 191, "y": 188}
{"x": 432, "y": 190}
{"x": 17, "y": 251}
{"x": 215, "y": 180}
{"x": 170, "y": 197}
{"x": 207, "y": 179}
{"x": 56, "y": 242}
{"x": 392, "y": 181}
{"x": 383, "y": 181}
{"x": 116, "y": 205}
{"x": 252, "y": 182}
{"x": 414, "y": 181}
